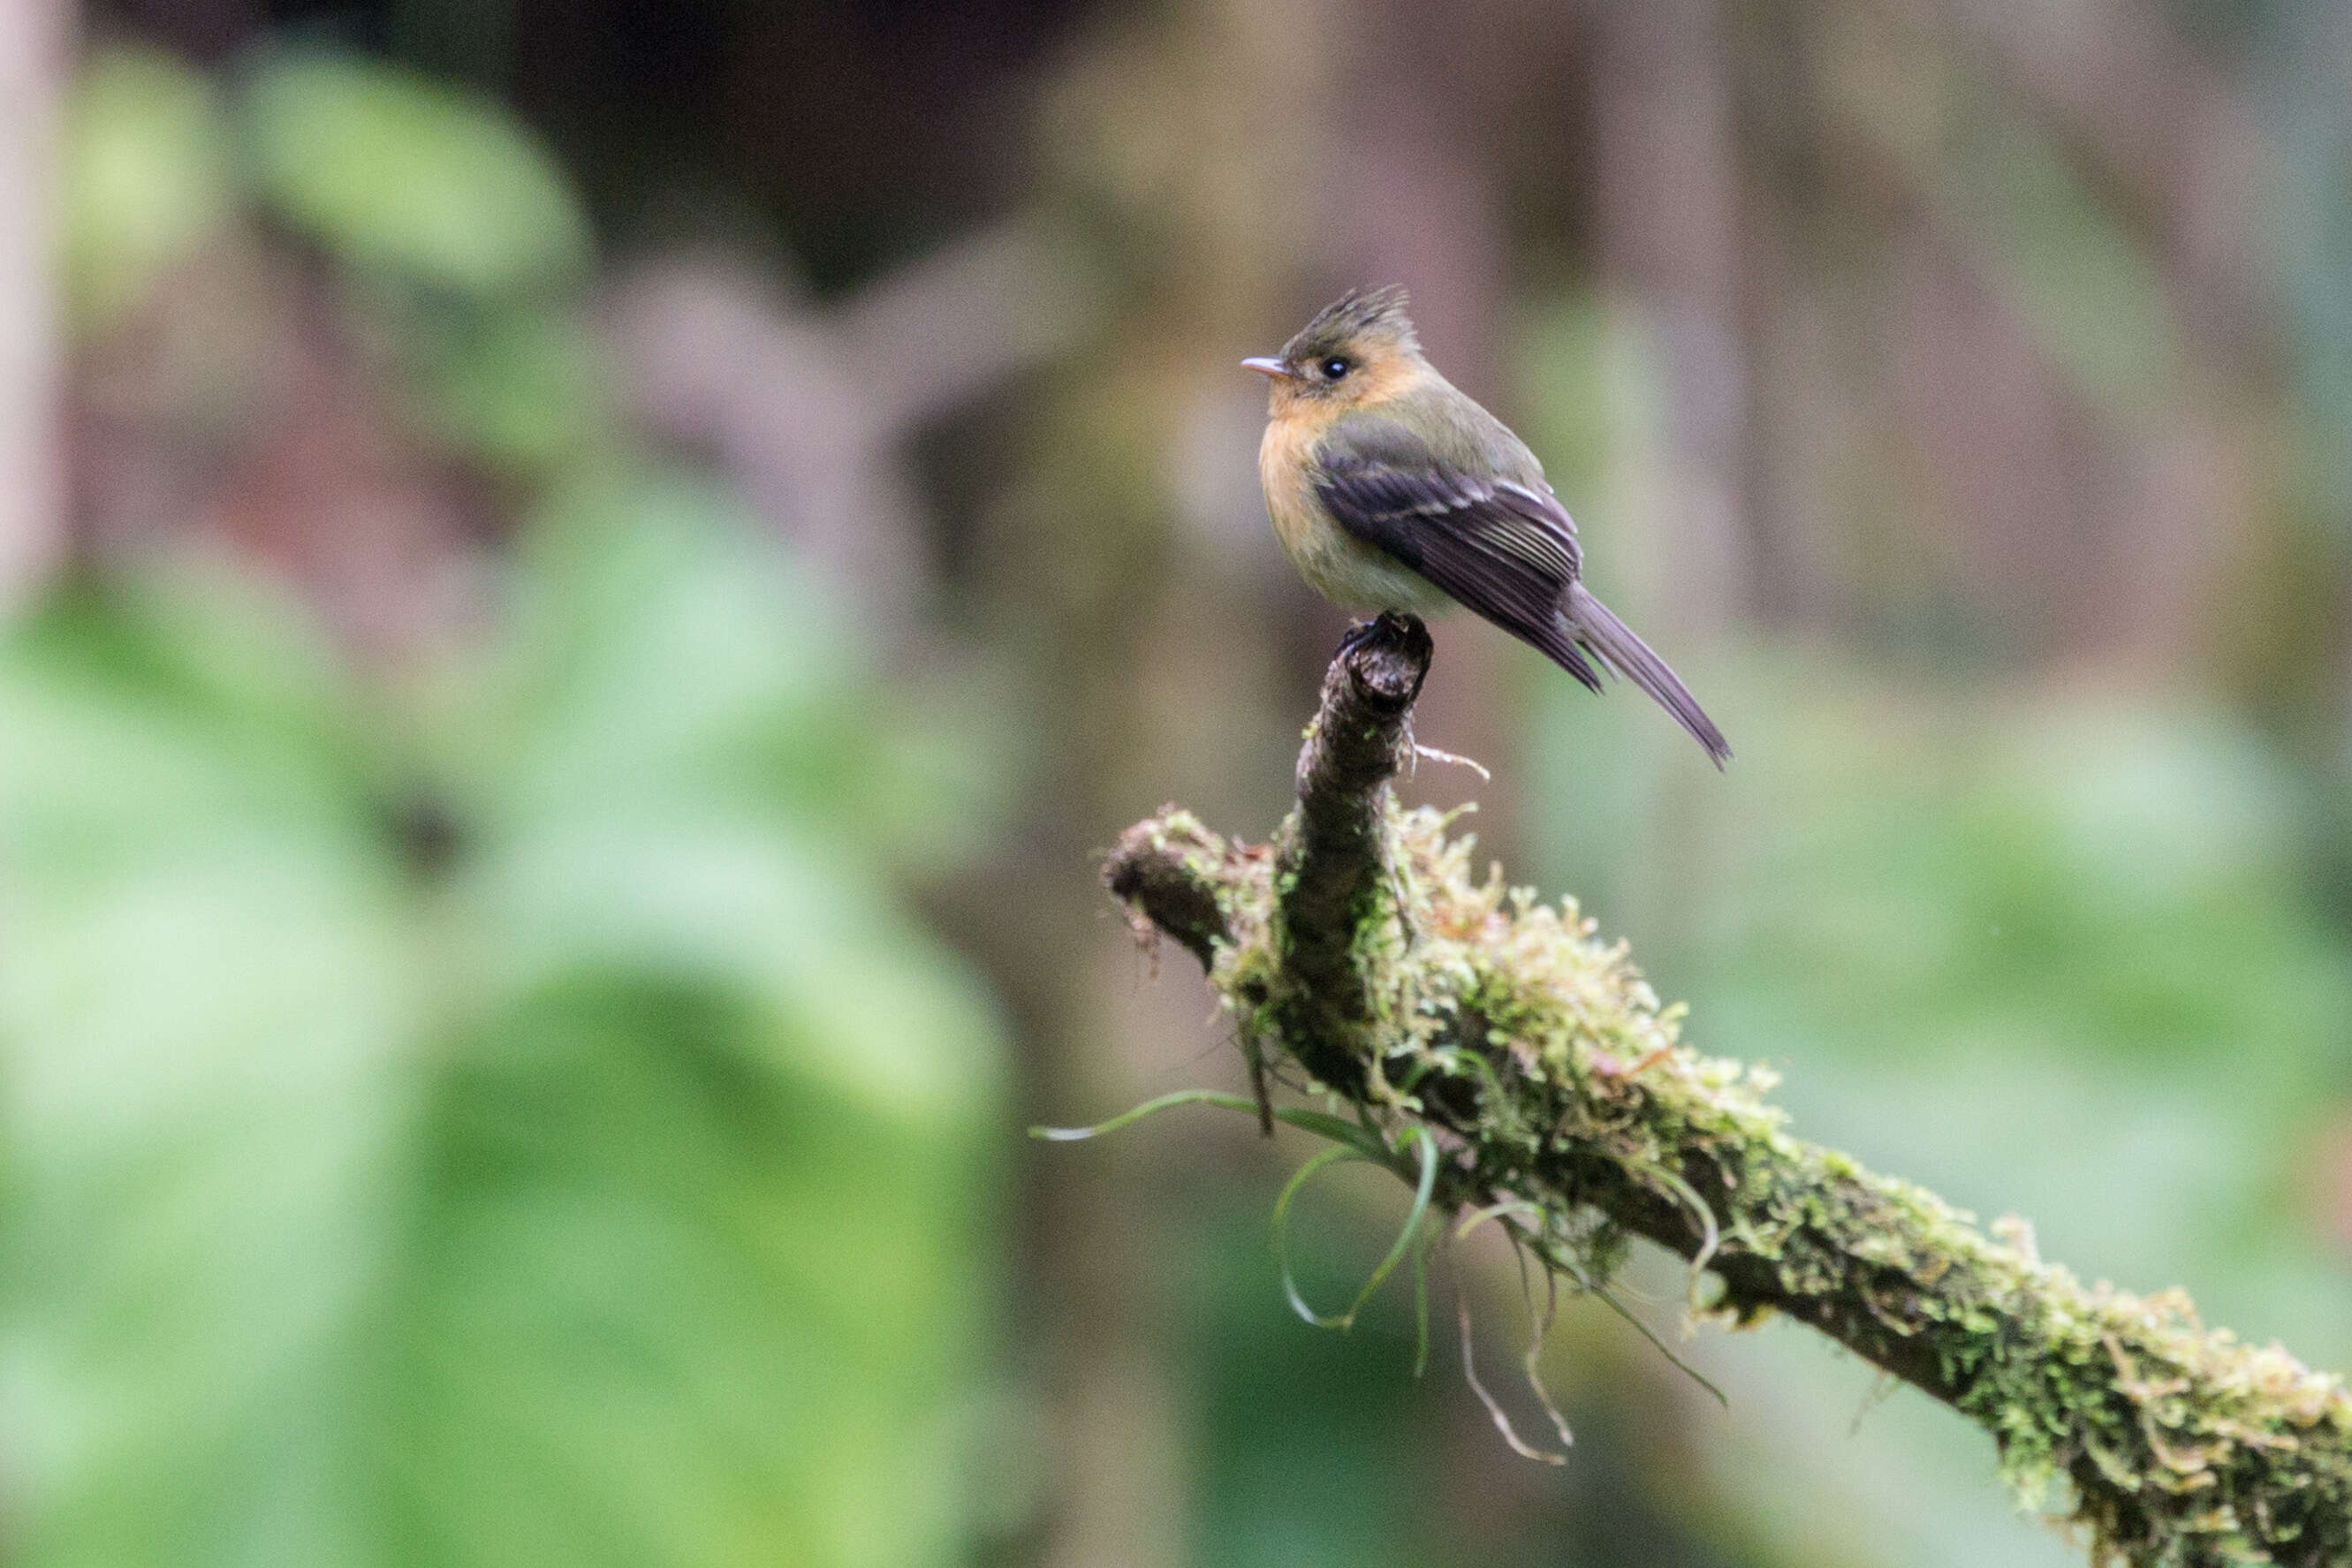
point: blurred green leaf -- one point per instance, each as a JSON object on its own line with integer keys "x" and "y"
{"x": 582, "y": 1163}
{"x": 666, "y": 649}
{"x": 148, "y": 178}
{"x": 397, "y": 174}
{"x": 522, "y": 388}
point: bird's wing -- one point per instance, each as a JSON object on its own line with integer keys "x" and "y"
{"x": 1504, "y": 548}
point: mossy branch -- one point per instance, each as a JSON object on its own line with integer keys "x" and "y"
{"x": 1359, "y": 951}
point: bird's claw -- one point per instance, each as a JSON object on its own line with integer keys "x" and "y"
{"x": 1388, "y": 626}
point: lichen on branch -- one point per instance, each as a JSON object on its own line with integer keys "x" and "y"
{"x": 1361, "y": 955}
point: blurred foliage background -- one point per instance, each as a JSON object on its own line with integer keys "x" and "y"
{"x": 586, "y": 581}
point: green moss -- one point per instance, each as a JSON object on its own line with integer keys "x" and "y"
{"x": 1565, "y": 1085}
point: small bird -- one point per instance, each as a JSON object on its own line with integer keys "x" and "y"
{"x": 1392, "y": 490}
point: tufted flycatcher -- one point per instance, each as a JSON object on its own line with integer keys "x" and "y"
{"x": 1390, "y": 489}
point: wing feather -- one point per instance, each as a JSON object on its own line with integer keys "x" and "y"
{"x": 1505, "y": 549}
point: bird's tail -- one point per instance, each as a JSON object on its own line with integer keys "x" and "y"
{"x": 1594, "y": 625}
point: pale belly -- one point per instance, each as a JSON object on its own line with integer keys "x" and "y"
{"x": 1342, "y": 567}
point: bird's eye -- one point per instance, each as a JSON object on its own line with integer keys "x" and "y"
{"x": 1334, "y": 367}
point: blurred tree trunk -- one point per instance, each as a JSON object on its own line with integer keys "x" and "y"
{"x": 1185, "y": 137}
{"x": 33, "y": 35}
{"x": 1668, "y": 202}
{"x": 1414, "y": 189}
{"x": 2136, "y": 109}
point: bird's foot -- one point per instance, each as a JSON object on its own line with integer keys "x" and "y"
{"x": 1393, "y": 627}
{"x": 1387, "y": 657}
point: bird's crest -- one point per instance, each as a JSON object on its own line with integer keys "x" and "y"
{"x": 1379, "y": 312}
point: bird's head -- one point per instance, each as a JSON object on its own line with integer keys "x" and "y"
{"x": 1358, "y": 349}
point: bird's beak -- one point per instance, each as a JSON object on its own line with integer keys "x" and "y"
{"x": 1272, "y": 369}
